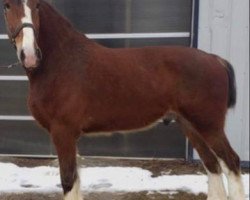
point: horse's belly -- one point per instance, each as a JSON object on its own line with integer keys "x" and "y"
{"x": 126, "y": 119}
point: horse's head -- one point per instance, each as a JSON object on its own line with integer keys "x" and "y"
{"x": 22, "y": 21}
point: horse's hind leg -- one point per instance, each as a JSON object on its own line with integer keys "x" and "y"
{"x": 216, "y": 189}
{"x": 229, "y": 161}
{"x": 65, "y": 144}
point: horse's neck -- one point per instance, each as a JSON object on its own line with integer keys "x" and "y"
{"x": 56, "y": 38}
{"x": 55, "y": 30}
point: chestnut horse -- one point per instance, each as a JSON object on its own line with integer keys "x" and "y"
{"x": 78, "y": 87}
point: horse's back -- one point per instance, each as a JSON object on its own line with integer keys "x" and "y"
{"x": 131, "y": 88}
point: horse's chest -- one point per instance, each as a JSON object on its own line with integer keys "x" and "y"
{"x": 40, "y": 111}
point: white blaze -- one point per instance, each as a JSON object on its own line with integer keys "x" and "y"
{"x": 28, "y": 33}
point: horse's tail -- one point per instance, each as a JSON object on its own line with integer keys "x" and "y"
{"x": 232, "y": 86}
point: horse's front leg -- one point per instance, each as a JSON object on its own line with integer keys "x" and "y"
{"x": 65, "y": 143}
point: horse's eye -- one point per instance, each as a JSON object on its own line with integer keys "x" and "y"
{"x": 6, "y": 6}
{"x": 37, "y": 5}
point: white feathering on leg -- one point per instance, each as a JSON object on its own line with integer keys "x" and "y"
{"x": 75, "y": 193}
{"x": 235, "y": 184}
{"x": 216, "y": 189}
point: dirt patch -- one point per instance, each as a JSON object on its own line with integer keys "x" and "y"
{"x": 107, "y": 196}
{"x": 28, "y": 162}
{"x": 145, "y": 196}
{"x": 156, "y": 166}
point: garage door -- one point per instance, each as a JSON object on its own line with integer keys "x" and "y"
{"x": 113, "y": 23}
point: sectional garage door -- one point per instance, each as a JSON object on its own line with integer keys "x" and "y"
{"x": 113, "y": 23}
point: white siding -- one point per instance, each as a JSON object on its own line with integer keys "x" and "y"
{"x": 224, "y": 30}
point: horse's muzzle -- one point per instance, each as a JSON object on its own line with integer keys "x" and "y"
{"x": 31, "y": 60}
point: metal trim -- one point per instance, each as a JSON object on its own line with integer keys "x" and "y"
{"x": 29, "y": 118}
{"x": 243, "y": 164}
{"x": 16, "y": 118}
{"x": 31, "y": 156}
{"x": 195, "y": 23}
{"x": 4, "y": 37}
{"x": 194, "y": 44}
{"x": 13, "y": 78}
{"x": 129, "y": 35}
{"x": 138, "y": 35}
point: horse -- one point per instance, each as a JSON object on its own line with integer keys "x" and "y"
{"x": 77, "y": 86}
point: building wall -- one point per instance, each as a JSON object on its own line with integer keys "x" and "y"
{"x": 224, "y": 30}
{"x": 123, "y": 23}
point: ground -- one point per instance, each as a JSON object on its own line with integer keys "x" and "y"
{"x": 157, "y": 167}
{"x": 106, "y": 196}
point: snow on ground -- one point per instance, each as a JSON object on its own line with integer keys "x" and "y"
{"x": 101, "y": 179}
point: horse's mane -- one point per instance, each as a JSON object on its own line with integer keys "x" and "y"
{"x": 46, "y": 10}
{"x": 55, "y": 29}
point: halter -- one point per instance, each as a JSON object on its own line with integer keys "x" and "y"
{"x": 17, "y": 31}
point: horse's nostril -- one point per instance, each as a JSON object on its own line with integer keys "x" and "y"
{"x": 22, "y": 55}
{"x": 39, "y": 54}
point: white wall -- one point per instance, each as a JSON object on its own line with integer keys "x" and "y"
{"x": 224, "y": 30}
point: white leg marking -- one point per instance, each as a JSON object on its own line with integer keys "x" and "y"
{"x": 75, "y": 193}
{"x": 235, "y": 184}
{"x": 216, "y": 189}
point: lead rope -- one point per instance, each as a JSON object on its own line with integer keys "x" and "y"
{"x": 13, "y": 65}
